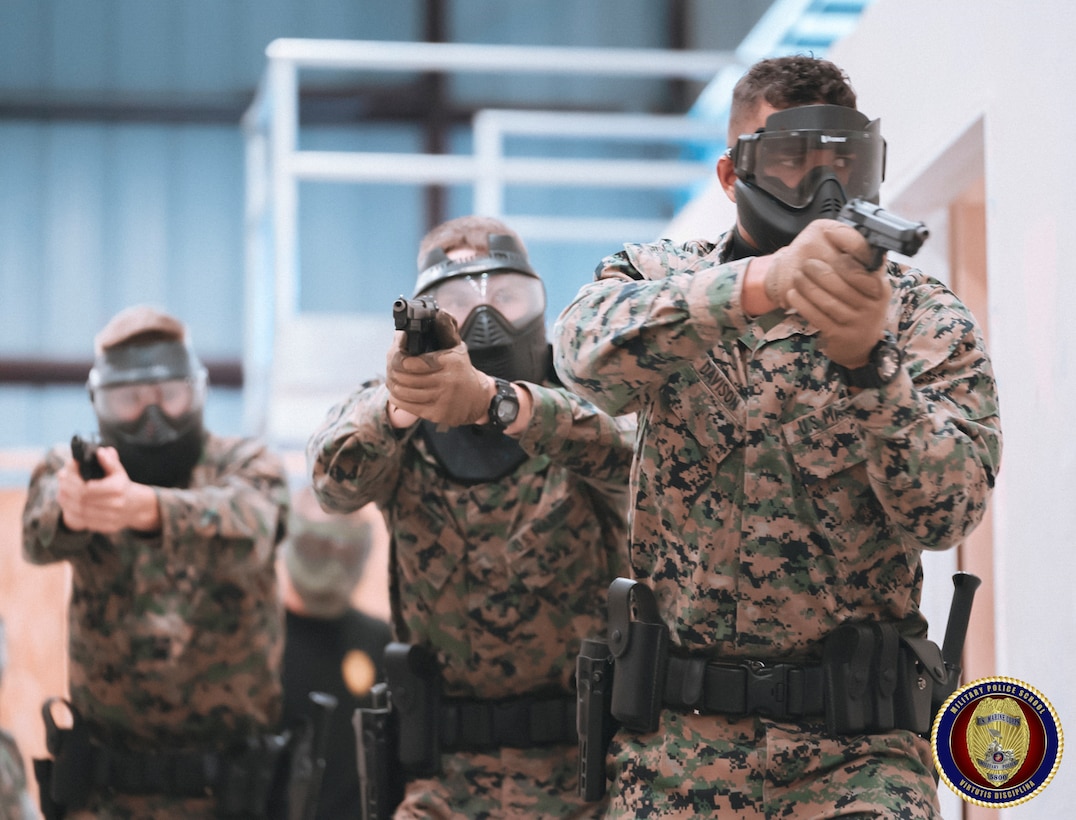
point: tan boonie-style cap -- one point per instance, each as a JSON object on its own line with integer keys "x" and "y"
{"x": 139, "y": 323}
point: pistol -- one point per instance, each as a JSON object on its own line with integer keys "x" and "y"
{"x": 595, "y": 723}
{"x": 883, "y": 230}
{"x": 84, "y": 451}
{"x": 415, "y": 317}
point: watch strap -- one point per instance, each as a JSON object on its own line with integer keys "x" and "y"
{"x": 874, "y": 373}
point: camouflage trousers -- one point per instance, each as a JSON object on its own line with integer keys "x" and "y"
{"x": 506, "y": 783}
{"x": 714, "y": 766}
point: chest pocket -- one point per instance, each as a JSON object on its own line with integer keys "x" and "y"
{"x": 823, "y": 443}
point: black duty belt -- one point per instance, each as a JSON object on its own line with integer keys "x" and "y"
{"x": 469, "y": 725}
{"x": 188, "y": 774}
{"x": 779, "y": 690}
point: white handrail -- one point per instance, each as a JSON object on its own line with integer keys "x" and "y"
{"x": 276, "y": 166}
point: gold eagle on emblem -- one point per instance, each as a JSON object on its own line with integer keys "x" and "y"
{"x": 997, "y": 738}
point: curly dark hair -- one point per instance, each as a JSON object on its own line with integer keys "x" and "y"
{"x": 787, "y": 82}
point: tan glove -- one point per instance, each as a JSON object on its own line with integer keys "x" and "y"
{"x": 823, "y": 245}
{"x": 848, "y": 306}
{"x": 442, "y": 386}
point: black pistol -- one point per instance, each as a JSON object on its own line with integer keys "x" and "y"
{"x": 415, "y": 317}
{"x": 883, "y": 230}
{"x": 84, "y": 451}
{"x": 595, "y": 724}
{"x": 381, "y": 781}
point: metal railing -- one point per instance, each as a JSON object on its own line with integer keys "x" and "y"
{"x": 276, "y": 166}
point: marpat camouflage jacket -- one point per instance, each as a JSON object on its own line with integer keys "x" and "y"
{"x": 504, "y": 578}
{"x": 176, "y": 637}
{"x": 771, "y": 504}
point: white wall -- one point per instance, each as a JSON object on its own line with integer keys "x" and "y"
{"x": 930, "y": 69}
{"x": 988, "y": 84}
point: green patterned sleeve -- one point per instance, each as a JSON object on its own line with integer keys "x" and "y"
{"x": 578, "y": 436}
{"x": 45, "y": 539}
{"x": 243, "y": 505}
{"x": 355, "y": 456}
{"x": 651, "y": 308}
{"x": 933, "y": 435}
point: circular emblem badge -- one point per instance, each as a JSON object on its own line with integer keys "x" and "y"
{"x": 997, "y": 742}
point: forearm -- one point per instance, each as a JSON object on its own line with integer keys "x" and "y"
{"x": 621, "y": 339}
{"x": 578, "y": 436}
{"x": 932, "y": 461}
{"x": 354, "y": 458}
{"x": 45, "y": 537}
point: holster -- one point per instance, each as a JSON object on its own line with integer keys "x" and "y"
{"x": 594, "y": 719}
{"x": 307, "y": 757}
{"x": 50, "y": 809}
{"x": 380, "y": 779}
{"x": 640, "y": 648}
{"x": 414, "y": 683}
{"x": 876, "y": 679}
{"x": 66, "y": 780}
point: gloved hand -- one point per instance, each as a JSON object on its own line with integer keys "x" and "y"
{"x": 848, "y": 306}
{"x": 442, "y": 386}
{"x": 823, "y": 245}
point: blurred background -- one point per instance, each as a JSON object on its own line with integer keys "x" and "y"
{"x": 264, "y": 169}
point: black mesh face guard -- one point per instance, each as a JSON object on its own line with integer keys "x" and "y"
{"x": 799, "y": 147}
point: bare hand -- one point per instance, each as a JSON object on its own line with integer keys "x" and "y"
{"x": 106, "y": 505}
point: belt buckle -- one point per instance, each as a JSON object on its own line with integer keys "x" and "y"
{"x": 767, "y": 689}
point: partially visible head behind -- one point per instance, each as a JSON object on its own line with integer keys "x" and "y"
{"x": 325, "y": 555}
{"x": 799, "y": 149}
{"x": 148, "y": 389}
{"x": 477, "y": 269}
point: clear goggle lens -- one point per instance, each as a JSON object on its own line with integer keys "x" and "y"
{"x": 516, "y": 296}
{"x": 126, "y": 402}
{"x": 785, "y": 163}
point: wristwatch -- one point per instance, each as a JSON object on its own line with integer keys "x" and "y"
{"x": 504, "y": 407}
{"x": 881, "y": 368}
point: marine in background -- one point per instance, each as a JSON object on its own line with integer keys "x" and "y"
{"x": 176, "y": 629}
{"x": 505, "y": 496}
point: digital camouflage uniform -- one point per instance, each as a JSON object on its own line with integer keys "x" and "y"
{"x": 175, "y": 637}
{"x": 502, "y": 579}
{"x": 14, "y": 800}
{"x": 771, "y": 505}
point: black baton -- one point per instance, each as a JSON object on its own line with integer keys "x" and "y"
{"x": 956, "y": 630}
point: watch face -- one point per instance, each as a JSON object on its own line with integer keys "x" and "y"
{"x": 507, "y": 411}
{"x": 888, "y": 363}
{"x": 505, "y": 405}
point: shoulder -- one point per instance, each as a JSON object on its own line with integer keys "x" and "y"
{"x": 655, "y": 260}
{"x": 925, "y": 298}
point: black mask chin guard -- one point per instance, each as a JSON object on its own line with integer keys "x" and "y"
{"x": 804, "y": 165}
